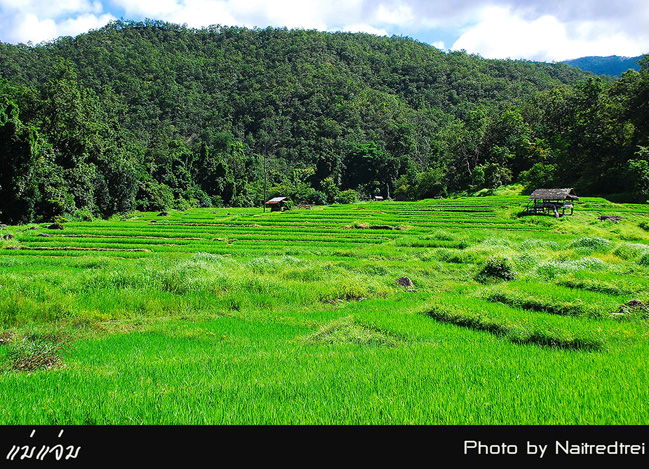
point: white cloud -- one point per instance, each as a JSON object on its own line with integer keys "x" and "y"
{"x": 154, "y": 9}
{"x": 363, "y": 28}
{"x": 202, "y": 13}
{"x": 50, "y": 9}
{"x": 284, "y": 13}
{"x": 396, "y": 14}
{"x": 548, "y": 30}
{"x": 28, "y": 27}
{"x": 82, "y": 23}
{"x": 323, "y": 15}
{"x": 501, "y": 34}
{"x": 41, "y": 20}
{"x": 307, "y": 14}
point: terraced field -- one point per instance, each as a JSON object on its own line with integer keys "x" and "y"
{"x": 239, "y": 316}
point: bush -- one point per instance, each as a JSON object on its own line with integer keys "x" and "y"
{"x": 552, "y": 268}
{"x": 533, "y": 243}
{"x": 496, "y": 267}
{"x": 539, "y": 175}
{"x": 155, "y": 196}
{"x": 182, "y": 204}
{"x": 329, "y": 188}
{"x": 630, "y": 251}
{"x": 644, "y": 260}
{"x": 590, "y": 244}
{"x": 82, "y": 214}
{"x": 317, "y": 198}
{"x": 347, "y": 197}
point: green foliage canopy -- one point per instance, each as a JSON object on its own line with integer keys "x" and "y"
{"x": 152, "y": 115}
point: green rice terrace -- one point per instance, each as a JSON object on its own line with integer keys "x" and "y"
{"x": 455, "y": 311}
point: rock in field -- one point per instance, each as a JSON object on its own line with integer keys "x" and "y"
{"x": 405, "y": 282}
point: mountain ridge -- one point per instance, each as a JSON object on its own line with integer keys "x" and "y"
{"x": 612, "y": 65}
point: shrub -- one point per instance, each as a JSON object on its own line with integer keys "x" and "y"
{"x": 317, "y": 198}
{"x": 454, "y": 256}
{"x": 630, "y": 251}
{"x": 496, "y": 267}
{"x": 526, "y": 260}
{"x": 442, "y": 235}
{"x": 533, "y": 243}
{"x": 590, "y": 244}
{"x": 155, "y": 196}
{"x": 644, "y": 259}
{"x": 552, "y": 268}
{"x": 82, "y": 214}
{"x": 182, "y": 204}
{"x": 330, "y": 189}
{"x": 347, "y": 197}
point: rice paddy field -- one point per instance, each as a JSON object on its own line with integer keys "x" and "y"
{"x": 440, "y": 312}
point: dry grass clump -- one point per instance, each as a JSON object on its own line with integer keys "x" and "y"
{"x": 35, "y": 350}
{"x": 347, "y": 330}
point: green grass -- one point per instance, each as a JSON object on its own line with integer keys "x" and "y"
{"x": 235, "y": 316}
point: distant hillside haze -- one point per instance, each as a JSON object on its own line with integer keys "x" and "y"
{"x": 613, "y": 65}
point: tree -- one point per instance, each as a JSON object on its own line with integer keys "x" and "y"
{"x": 136, "y": 111}
{"x": 370, "y": 169}
{"x": 18, "y": 150}
{"x": 638, "y": 174}
{"x": 638, "y": 106}
{"x": 507, "y": 141}
{"x": 32, "y": 185}
{"x": 329, "y": 189}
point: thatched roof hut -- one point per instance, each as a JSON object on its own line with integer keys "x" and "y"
{"x": 550, "y": 201}
{"x": 554, "y": 194}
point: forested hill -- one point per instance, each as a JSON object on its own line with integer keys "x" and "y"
{"x": 613, "y": 65}
{"x": 152, "y": 115}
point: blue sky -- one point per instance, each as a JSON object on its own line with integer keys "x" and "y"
{"x": 550, "y": 30}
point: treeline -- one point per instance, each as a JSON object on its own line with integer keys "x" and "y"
{"x": 151, "y": 115}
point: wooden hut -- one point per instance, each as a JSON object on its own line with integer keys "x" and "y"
{"x": 551, "y": 201}
{"x": 277, "y": 204}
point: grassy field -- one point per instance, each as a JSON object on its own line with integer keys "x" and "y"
{"x": 236, "y": 316}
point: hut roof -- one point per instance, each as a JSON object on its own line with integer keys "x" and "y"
{"x": 554, "y": 194}
{"x": 276, "y": 200}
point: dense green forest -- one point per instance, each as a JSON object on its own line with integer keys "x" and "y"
{"x": 151, "y": 115}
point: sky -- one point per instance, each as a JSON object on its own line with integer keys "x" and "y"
{"x": 540, "y": 30}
